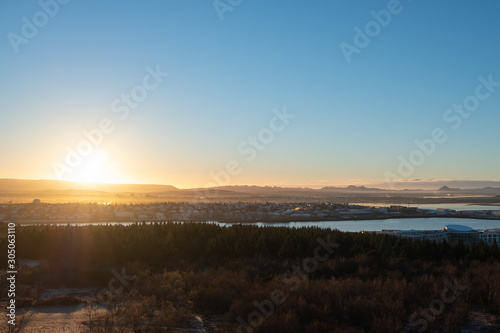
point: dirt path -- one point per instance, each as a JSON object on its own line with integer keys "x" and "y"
{"x": 68, "y": 319}
{"x": 57, "y": 319}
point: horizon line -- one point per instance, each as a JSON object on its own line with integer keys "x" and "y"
{"x": 368, "y": 184}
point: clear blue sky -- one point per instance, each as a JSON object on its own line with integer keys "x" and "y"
{"x": 352, "y": 120}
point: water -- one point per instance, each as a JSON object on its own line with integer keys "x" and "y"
{"x": 456, "y": 206}
{"x": 432, "y": 223}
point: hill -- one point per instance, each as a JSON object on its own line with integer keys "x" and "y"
{"x": 35, "y": 186}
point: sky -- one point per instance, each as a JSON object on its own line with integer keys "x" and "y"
{"x": 281, "y": 93}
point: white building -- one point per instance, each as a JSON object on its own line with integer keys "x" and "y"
{"x": 461, "y": 233}
{"x": 489, "y": 236}
{"x": 436, "y": 235}
{"x": 451, "y": 232}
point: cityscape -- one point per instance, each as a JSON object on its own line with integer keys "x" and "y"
{"x": 236, "y": 212}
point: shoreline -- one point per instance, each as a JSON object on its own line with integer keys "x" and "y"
{"x": 363, "y": 219}
{"x": 270, "y": 221}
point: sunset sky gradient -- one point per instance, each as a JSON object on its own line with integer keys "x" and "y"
{"x": 227, "y": 80}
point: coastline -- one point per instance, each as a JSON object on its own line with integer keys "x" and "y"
{"x": 248, "y": 221}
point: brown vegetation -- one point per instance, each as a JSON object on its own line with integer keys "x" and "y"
{"x": 371, "y": 283}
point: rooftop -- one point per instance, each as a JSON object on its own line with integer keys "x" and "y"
{"x": 458, "y": 228}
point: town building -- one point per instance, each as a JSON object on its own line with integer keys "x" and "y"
{"x": 490, "y": 236}
{"x": 451, "y": 233}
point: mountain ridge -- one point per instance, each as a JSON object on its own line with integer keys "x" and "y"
{"x": 12, "y": 185}
{"x": 38, "y": 185}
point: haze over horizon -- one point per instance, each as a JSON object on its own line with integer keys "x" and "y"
{"x": 12, "y": 184}
{"x": 288, "y": 93}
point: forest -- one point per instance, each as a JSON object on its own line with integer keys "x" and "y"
{"x": 158, "y": 277}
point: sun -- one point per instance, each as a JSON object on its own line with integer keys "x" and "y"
{"x": 94, "y": 168}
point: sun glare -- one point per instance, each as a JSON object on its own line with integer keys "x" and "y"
{"x": 94, "y": 168}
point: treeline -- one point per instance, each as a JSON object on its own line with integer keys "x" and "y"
{"x": 268, "y": 279}
{"x": 159, "y": 243}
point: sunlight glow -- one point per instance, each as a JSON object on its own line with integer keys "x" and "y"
{"x": 95, "y": 168}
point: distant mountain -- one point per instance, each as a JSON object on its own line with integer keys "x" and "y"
{"x": 484, "y": 190}
{"x": 24, "y": 189}
{"x": 276, "y": 190}
{"x": 433, "y": 185}
{"x": 34, "y": 186}
{"x": 446, "y": 188}
{"x": 475, "y": 191}
{"x": 350, "y": 188}
{"x": 263, "y": 189}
